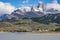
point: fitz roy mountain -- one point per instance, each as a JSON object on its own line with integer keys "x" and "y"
{"x": 30, "y": 12}
{"x": 25, "y": 12}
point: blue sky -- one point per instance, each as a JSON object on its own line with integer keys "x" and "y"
{"x": 8, "y": 6}
{"x": 19, "y": 3}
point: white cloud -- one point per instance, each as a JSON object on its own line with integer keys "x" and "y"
{"x": 53, "y": 5}
{"x": 6, "y": 8}
{"x": 25, "y": 1}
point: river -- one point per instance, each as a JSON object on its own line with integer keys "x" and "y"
{"x": 28, "y": 36}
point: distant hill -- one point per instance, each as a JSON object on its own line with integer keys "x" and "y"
{"x": 48, "y": 18}
{"x": 48, "y": 22}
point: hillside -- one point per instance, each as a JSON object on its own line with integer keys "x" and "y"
{"x": 48, "y": 18}
{"x": 45, "y": 23}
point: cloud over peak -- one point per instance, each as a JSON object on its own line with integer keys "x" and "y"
{"x": 6, "y": 8}
{"x": 25, "y": 1}
{"x": 53, "y": 5}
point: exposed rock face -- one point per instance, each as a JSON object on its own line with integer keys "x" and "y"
{"x": 31, "y": 13}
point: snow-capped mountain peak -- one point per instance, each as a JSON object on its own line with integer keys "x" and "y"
{"x": 34, "y": 9}
{"x": 29, "y": 12}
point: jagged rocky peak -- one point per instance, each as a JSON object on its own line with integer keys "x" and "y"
{"x": 21, "y": 10}
{"x": 34, "y": 9}
{"x": 40, "y": 6}
{"x": 29, "y": 12}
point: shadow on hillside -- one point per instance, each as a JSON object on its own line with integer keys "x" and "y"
{"x": 49, "y": 18}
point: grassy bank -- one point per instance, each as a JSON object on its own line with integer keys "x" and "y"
{"x": 28, "y": 25}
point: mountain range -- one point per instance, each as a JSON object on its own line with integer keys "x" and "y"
{"x": 32, "y": 12}
{"x": 31, "y": 19}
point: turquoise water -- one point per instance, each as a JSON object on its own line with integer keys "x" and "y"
{"x": 28, "y": 36}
